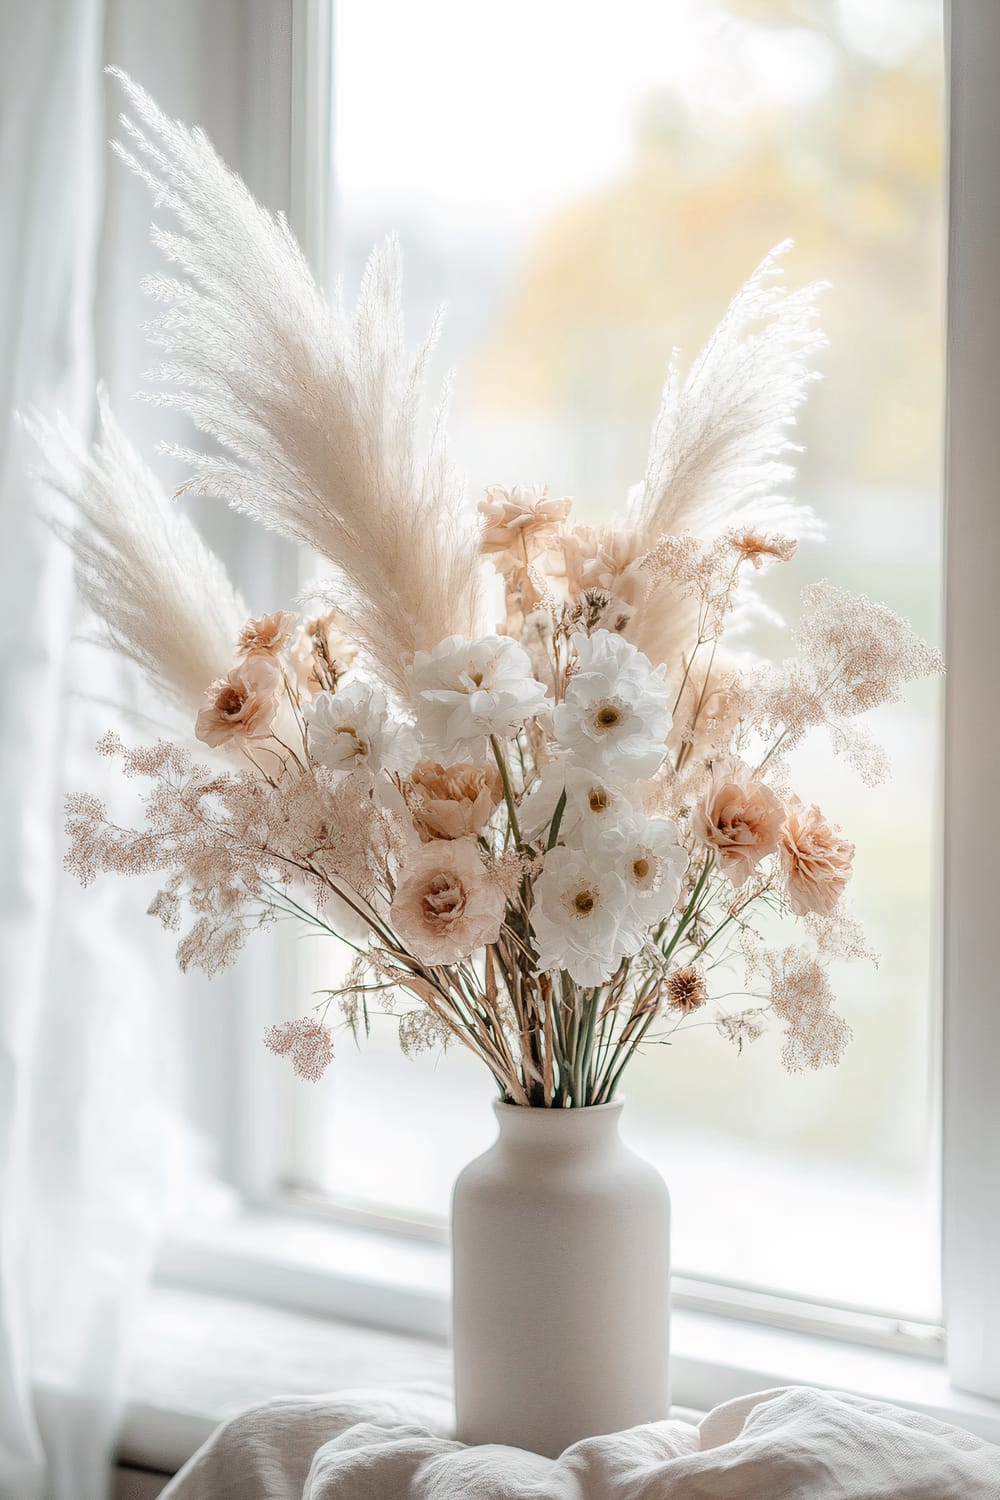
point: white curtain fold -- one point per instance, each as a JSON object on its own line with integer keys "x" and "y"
{"x": 89, "y": 1003}
{"x": 52, "y": 164}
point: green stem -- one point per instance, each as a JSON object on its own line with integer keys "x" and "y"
{"x": 557, "y": 818}
{"x": 583, "y": 1088}
{"x": 508, "y": 790}
{"x": 612, "y": 1077}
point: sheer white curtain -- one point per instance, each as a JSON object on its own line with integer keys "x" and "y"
{"x": 85, "y": 996}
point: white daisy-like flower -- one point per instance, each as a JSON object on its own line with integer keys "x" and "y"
{"x": 616, "y": 716}
{"x": 579, "y": 917}
{"x": 466, "y": 691}
{"x": 352, "y": 730}
{"x": 650, "y": 858}
{"x": 593, "y": 805}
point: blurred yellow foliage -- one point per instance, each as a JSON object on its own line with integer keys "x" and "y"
{"x": 616, "y": 279}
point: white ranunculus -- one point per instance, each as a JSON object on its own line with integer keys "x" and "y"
{"x": 466, "y": 691}
{"x": 351, "y": 730}
{"x": 579, "y": 918}
{"x": 592, "y": 804}
{"x": 616, "y": 716}
{"x": 651, "y": 860}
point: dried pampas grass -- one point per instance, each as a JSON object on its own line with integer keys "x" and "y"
{"x": 720, "y": 443}
{"x": 163, "y": 598}
{"x": 717, "y": 445}
{"x": 318, "y": 409}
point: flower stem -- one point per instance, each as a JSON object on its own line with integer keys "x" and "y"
{"x": 557, "y": 817}
{"x": 508, "y": 790}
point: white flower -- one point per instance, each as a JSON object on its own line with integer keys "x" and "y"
{"x": 616, "y": 716}
{"x": 465, "y": 691}
{"x": 592, "y": 805}
{"x": 351, "y": 730}
{"x": 578, "y": 917}
{"x": 651, "y": 860}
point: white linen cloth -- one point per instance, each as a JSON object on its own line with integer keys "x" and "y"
{"x": 789, "y": 1444}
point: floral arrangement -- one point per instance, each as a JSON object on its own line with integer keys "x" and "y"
{"x": 513, "y": 761}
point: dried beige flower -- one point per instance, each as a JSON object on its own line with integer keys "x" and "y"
{"x": 446, "y": 904}
{"x": 306, "y": 1041}
{"x": 816, "y": 858}
{"x": 684, "y": 989}
{"x": 228, "y": 844}
{"x": 757, "y": 547}
{"x": 742, "y": 1026}
{"x": 839, "y": 935}
{"x": 708, "y": 708}
{"x": 422, "y": 1031}
{"x": 801, "y": 997}
{"x": 268, "y": 635}
{"x": 242, "y": 705}
{"x": 740, "y": 818}
{"x": 319, "y": 654}
{"x": 520, "y": 523}
{"x": 603, "y": 559}
{"x": 521, "y": 526}
{"x": 451, "y": 802}
{"x": 861, "y": 651}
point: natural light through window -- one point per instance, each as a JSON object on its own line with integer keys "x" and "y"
{"x": 585, "y": 193}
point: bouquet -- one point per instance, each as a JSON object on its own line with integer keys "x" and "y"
{"x": 514, "y": 762}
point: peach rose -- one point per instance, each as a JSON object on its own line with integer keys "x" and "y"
{"x": 267, "y": 635}
{"x": 817, "y": 861}
{"x": 520, "y": 523}
{"x": 600, "y": 557}
{"x": 446, "y": 904}
{"x": 452, "y": 802}
{"x": 740, "y": 818}
{"x": 242, "y": 705}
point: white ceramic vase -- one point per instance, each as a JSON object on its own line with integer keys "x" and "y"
{"x": 561, "y": 1245}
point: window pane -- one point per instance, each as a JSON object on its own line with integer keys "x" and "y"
{"x": 585, "y": 194}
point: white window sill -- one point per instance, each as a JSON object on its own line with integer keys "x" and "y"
{"x": 200, "y": 1358}
{"x": 272, "y": 1305}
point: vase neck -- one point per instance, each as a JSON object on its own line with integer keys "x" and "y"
{"x": 554, "y": 1132}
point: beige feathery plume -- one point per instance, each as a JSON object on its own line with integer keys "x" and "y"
{"x": 318, "y": 409}
{"x": 164, "y": 599}
{"x": 719, "y": 445}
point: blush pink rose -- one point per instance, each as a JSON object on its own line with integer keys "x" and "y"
{"x": 242, "y": 705}
{"x": 740, "y": 818}
{"x": 268, "y": 635}
{"x": 446, "y": 903}
{"x": 817, "y": 860}
{"x": 452, "y": 802}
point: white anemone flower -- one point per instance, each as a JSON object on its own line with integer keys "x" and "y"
{"x": 352, "y": 730}
{"x": 616, "y": 716}
{"x": 465, "y": 691}
{"x": 578, "y": 917}
{"x": 651, "y": 860}
{"x": 593, "y": 805}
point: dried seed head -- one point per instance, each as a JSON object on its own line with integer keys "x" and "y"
{"x": 685, "y": 990}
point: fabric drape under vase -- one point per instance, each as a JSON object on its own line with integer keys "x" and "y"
{"x": 561, "y": 1256}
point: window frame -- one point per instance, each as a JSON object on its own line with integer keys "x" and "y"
{"x": 971, "y": 1098}
{"x": 246, "y": 1257}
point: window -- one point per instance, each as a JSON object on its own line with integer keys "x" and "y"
{"x": 584, "y": 197}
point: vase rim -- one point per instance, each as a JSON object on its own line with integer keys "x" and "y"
{"x": 613, "y": 1106}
